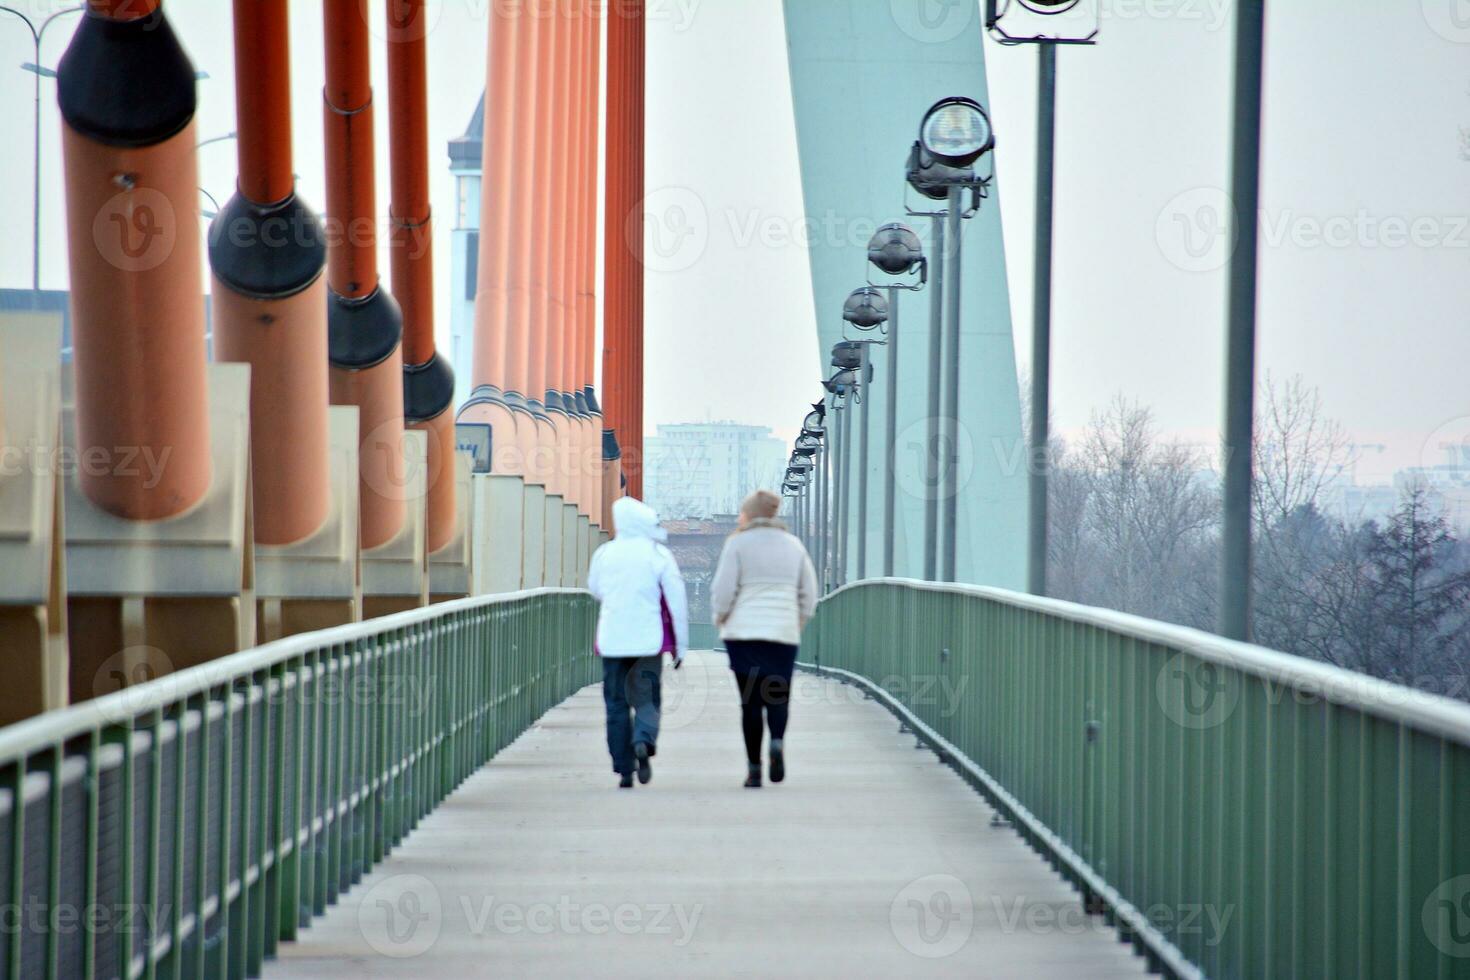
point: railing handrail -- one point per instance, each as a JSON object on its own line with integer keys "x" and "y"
{"x": 55, "y": 727}
{"x": 1397, "y": 703}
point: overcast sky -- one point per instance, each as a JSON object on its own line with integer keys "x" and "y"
{"x": 1365, "y": 256}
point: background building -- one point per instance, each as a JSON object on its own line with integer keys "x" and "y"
{"x": 464, "y": 255}
{"x": 702, "y": 469}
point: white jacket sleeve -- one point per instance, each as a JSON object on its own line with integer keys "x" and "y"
{"x": 806, "y": 590}
{"x": 594, "y": 577}
{"x": 672, "y": 584}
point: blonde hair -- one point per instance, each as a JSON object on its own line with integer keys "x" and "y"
{"x": 762, "y": 503}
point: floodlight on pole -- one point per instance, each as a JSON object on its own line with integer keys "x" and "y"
{"x": 866, "y": 308}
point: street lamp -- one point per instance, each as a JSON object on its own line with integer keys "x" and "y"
{"x": 38, "y": 34}
{"x": 954, "y": 134}
{"x": 895, "y": 249}
{"x": 841, "y": 387}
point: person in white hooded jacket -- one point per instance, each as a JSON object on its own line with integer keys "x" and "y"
{"x": 644, "y": 614}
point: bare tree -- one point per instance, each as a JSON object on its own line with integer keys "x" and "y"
{"x": 1297, "y": 451}
{"x": 1134, "y": 517}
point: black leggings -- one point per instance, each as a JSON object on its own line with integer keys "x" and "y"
{"x": 771, "y": 692}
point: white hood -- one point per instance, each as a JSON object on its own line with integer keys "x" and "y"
{"x": 632, "y": 518}
{"x": 632, "y": 576}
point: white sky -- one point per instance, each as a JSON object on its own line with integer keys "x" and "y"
{"x": 1365, "y": 262}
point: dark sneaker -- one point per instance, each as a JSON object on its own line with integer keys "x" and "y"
{"x": 753, "y": 780}
{"x": 625, "y": 781}
{"x": 645, "y": 769}
{"x": 778, "y": 762}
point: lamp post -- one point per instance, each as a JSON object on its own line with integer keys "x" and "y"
{"x": 37, "y": 35}
{"x": 896, "y": 250}
{"x": 1045, "y": 23}
{"x": 1240, "y": 344}
{"x": 953, "y": 135}
{"x": 842, "y": 387}
{"x": 867, "y": 309}
{"x": 811, "y": 443}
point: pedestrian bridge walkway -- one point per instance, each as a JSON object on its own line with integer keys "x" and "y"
{"x": 428, "y": 794}
{"x": 872, "y": 859}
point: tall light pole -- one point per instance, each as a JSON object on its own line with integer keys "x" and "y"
{"x": 953, "y": 135}
{"x": 1039, "y": 457}
{"x": 896, "y": 250}
{"x": 867, "y": 309}
{"x": 1240, "y": 344}
{"x": 37, "y": 35}
{"x": 841, "y": 385}
{"x": 1046, "y": 23}
{"x": 954, "y": 251}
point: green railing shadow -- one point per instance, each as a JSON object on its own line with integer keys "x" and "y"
{"x": 201, "y": 818}
{"x": 1235, "y": 811}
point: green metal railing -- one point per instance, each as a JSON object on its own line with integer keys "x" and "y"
{"x": 183, "y": 827}
{"x": 1182, "y": 781}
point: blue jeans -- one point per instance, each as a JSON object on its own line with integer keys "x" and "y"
{"x": 630, "y": 690}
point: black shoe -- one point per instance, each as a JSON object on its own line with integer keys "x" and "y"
{"x": 645, "y": 769}
{"x": 625, "y": 781}
{"x": 778, "y": 762}
{"x": 753, "y": 781}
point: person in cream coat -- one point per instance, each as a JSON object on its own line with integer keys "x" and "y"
{"x": 764, "y": 593}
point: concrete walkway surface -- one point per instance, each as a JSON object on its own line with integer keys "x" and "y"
{"x": 871, "y": 860}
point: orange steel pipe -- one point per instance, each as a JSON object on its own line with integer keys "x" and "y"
{"x": 550, "y": 90}
{"x": 364, "y": 322}
{"x": 579, "y": 421}
{"x": 263, "y": 99}
{"x": 408, "y": 146}
{"x": 137, "y": 297}
{"x": 623, "y": 343}
{"x": 562, "y": 244}
{"x": 487, "y": 403}
{"x": 495, "y": 183}
{"x": 428, "y": 381}
{"x": 352, "y": 262}
{"x": 522, "y": 248}
{"x": 585, "y": 277}
{"x": 270, "y": 302}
